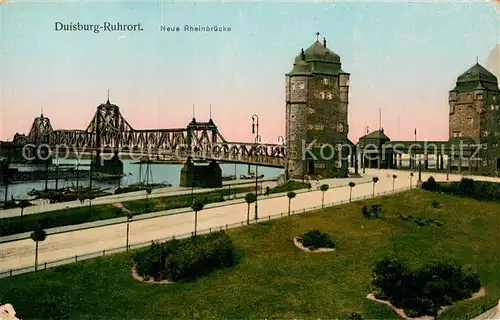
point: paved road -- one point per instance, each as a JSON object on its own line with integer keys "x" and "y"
{"x": 136, "y": 195}
{"x": 59, "y": 246}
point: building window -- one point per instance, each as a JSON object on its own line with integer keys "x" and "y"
{"x": 322, "y": 95}
{"x": 329, "y": 96}
{"x": 470, "y": 121}
{"x": 492, "y": 107}
{"x": 318, "y": 127}
{"x": 479, "y": 96}
{"x": 460, "y": 134}
{"x": 310, "y": 110}
{"x": 325, "y": 80}
{"x": 456, "y": 134}
{"x": 302, "y": 86}
{"x": 469, "y": 108}
{"x": 293, "y": 86}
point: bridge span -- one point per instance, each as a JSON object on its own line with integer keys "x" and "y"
{"x": 109, "y": 133}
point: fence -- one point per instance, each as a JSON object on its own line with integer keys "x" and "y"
{"x": 55, "y": 263}
{"x": 477, "y": 310}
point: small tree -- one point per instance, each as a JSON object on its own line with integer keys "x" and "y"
{"x": 196, "y": 206}
{"x": 38, "y": 235}
{"x": 351, "y": 185}
{"x": 375, "y": 180}
{"x": 354, "y": 316}
{"x": 323, "y": 188}
{"x": 23, "y": 204}
{"x": 250, "y": 198}
{"x": 290, "y": 196}
{"x": 148, "y": 192}
{"x": 411, "y": 178}
{"x": 393, "y": 180}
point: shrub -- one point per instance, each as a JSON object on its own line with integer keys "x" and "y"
{"x": 365, "y": 212}
{"x": 430, "y": 184}
{"x": 376, "y": 210}
{"x": 466, "y": 186}
{"x": 435, "y": 204}
{"x": 354, "y": 316}
{"x": 188, "y": 258}
{"x": 423, "y": 291}
{"x": 315, "y": 239}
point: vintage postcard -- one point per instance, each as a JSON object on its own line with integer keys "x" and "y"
{"x": 244, "y": 160}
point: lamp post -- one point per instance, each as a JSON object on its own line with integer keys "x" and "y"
{"x": 255, "y": 130}
{"x": 256, "y": 216}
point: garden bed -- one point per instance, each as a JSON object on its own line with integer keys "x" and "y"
{"x": 401, "y": 312}
{"x": 301, "y": 247}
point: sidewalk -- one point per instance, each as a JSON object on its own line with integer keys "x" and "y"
{"x": 335, "y": 183}
{"x": 136, "y": 195}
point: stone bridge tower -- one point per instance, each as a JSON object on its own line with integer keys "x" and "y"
{"x": 316, "y": 114}
{"x": 474, "y": 113}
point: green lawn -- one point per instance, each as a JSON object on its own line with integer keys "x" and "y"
{"x": 274, "y": 279}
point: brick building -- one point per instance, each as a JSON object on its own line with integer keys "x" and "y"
{"x": 317, "y": 92}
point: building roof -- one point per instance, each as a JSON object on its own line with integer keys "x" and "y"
{"x": 317, "y": 59}
{"x": 476, "y": 77}
{"x": 377, "y": 134}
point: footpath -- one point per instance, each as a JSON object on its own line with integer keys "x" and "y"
{"x": 238, "y": 198}
{"x": 130, "y": 196}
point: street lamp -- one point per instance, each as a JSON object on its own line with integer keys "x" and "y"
{"x": 255, "y": 130}
{"x": 257, "y": 140}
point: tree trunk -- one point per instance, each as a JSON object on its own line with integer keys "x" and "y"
{"x": 393, "y": 185}
{"x": 36, "y": 255}
{"x": 289, "y": 203}
{"x": 323, "y": 200}
{"x": 248, "y": 214}
{"x": 350, "y": 194}
{"x": 195, "y": 221}
{"x": 128, "y": 226}
{"x": 373, "y": 192}
{"x": 22, "y": 211}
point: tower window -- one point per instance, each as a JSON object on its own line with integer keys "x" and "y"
{"x": 293, "y": 86}
{"x": 325, "y": 81}
{"x": 322, "y": 95}
{"x": 470, "y": 120}
{"x": 469, "y": 108}
{"x": 302, "y": 86}
{"x": 479, "y": 96}
{"x": 329, "y": 96}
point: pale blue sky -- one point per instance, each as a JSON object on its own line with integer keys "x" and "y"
{"x": 403, "y": 58}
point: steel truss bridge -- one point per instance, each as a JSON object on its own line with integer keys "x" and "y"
{"x": 110, "y": 132}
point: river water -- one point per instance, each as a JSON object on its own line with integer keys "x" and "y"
{"x": 134, "y": 173}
